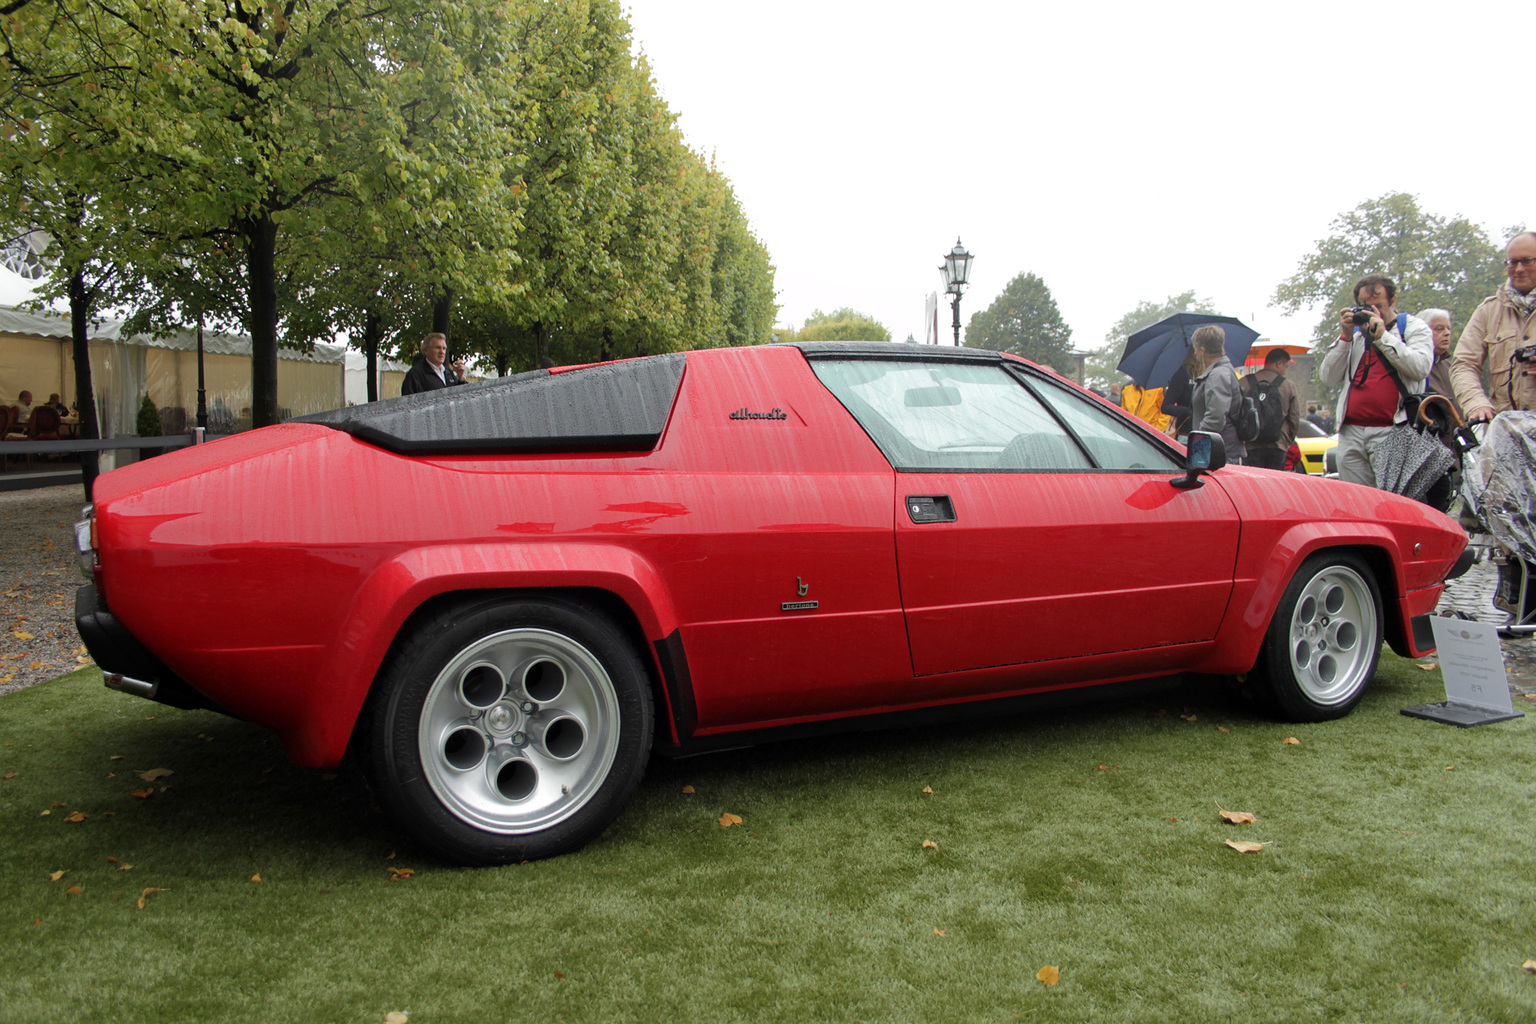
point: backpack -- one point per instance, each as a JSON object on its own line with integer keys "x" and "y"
{"x": 1247, "y": 418}
{"x": 1271, "y": 409}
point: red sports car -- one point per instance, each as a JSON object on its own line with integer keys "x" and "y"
{"x": 501, "y": 596}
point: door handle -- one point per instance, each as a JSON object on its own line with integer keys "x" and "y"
{"x": 930, "y": 508}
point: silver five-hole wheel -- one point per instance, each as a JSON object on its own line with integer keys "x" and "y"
{"x": 508, "y": 727}
{"x": 1331, "y": 626}
{"x": 1324, "y": 641}
{"x": 519, "y": 730}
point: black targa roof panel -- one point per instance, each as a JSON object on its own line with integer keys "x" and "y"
{"x": 612, "y": 407}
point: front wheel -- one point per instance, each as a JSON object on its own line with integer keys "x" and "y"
{"x": 505, "y": 730}
{"x": 1325, "y": 639}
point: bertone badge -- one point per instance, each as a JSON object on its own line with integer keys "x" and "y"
{"x": 746, "y": 414}
{"x": 801, "y": 589}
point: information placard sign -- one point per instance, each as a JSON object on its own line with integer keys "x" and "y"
{"x": 1476, "y": 684}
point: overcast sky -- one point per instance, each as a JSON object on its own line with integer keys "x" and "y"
{"x": 1121, "y": 152}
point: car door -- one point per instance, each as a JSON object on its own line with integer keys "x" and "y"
{"x": 1036, "y": 525}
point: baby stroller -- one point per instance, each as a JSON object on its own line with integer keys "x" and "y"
{"x": 1497, "y": 489}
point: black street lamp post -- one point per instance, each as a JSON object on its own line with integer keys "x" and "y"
{"x": 957, "y": 274}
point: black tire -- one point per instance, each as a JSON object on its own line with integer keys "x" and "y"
{"x": 1324, "y": 642}
{"x": 508, "y": 729}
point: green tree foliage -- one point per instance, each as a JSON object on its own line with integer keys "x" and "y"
{"x": 311, "y": 166}
{"x": 1435, "y": 261}
{"x": 1024, "y": 320}
{"x": 249, "y": 123}
{"x": 630, "y": 243}
{"x": 845, "y": 324}
{"x": 1099, "y": 369}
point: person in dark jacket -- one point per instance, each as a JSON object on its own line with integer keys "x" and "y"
{"x": 428, "y": 371}
{"x": 1179, "y": 397}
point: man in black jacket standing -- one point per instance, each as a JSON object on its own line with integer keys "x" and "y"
{"x": 428, "y": 372}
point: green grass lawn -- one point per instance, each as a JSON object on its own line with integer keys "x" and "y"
{"x": 1398, "y": 884}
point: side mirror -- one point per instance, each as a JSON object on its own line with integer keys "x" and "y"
{"x": 1207, "y": 453}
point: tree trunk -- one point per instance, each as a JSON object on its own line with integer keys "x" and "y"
{"x": 373, "y": 329}
{"x": 85, "y": 393}
{"x": 442, "y": 312}
{"x": 261, "y": 277}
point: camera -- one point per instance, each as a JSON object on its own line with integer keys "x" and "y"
{"x": 1526, "y": 354}
{"x": 1362, "y": 315}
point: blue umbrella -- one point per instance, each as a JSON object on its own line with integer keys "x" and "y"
{"x": 1153, "y": 353}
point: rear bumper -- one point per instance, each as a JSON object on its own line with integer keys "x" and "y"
{"x": 126, "y": 664}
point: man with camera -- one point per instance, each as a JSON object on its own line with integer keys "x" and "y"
{"x": 1502, "y": 336}
{"x": 1377, "y": 361}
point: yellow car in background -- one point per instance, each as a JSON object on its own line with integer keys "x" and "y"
{"x": 1308, "y": 453}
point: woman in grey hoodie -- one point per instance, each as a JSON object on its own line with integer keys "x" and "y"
{"x": 1218, "y": 398}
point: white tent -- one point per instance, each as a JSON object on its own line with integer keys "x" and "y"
{"x": 36, "y": 355}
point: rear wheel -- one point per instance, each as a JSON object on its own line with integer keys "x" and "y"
{"x": 509, "y": 729}
{"x": 1325, "y": 639}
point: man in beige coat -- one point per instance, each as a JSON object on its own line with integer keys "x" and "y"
{"x": 1502, "y": 334}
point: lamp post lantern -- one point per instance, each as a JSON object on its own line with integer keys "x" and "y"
{"x": 957, "y": 274}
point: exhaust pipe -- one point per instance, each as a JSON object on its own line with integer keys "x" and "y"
{"x": 127, "y": 684}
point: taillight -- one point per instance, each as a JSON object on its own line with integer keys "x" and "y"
{"x": 85, "y": 543}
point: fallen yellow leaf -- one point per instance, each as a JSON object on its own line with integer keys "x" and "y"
{"x": 929, "y": 844}
{"x": 927, "y": 789}
{"x": 395, "y": 1017}
{"x": 400, "y": 874}
{"x": 145, "y": 895}
{"x": 156, "y": 773}
{"x": 21, "y": 634}
{"x": 143, "y": 794}
{"x": 938, "y": 932}
{"x": 256, "y": 877}
{"x": 1292, "y": 740}
{"x": 35, "y": 666}
{"x": 1427, "y": 666}
{"x": 1223, "y": 728}
{"x": 1048, "y": 974}
{"x": 1244, "y": 846}
{"x": 125, "y": 867}
{"x": 54, "y": 876}
{"x": 10, "y": 775}
{"x": 1529, "y": 967}
{"x": 77, "y": 817}
{"x": 1190, "y": 718}
{"x": 1235, "y": 817}
{"x": 1450, "y": 767}
{"x": 687, "y": 790}
{"x": 73, "y": 890}
{"x": 728, "y": 819}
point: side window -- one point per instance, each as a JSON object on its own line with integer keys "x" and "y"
{"x": 936, "y": 416}
{"x": 1114, "y": 444}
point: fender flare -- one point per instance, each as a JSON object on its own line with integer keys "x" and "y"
{"x": 1254, "y": 599}
{"x": 400, "y": 585}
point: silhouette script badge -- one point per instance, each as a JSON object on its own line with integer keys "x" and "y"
{"x": 746, "y": 414}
